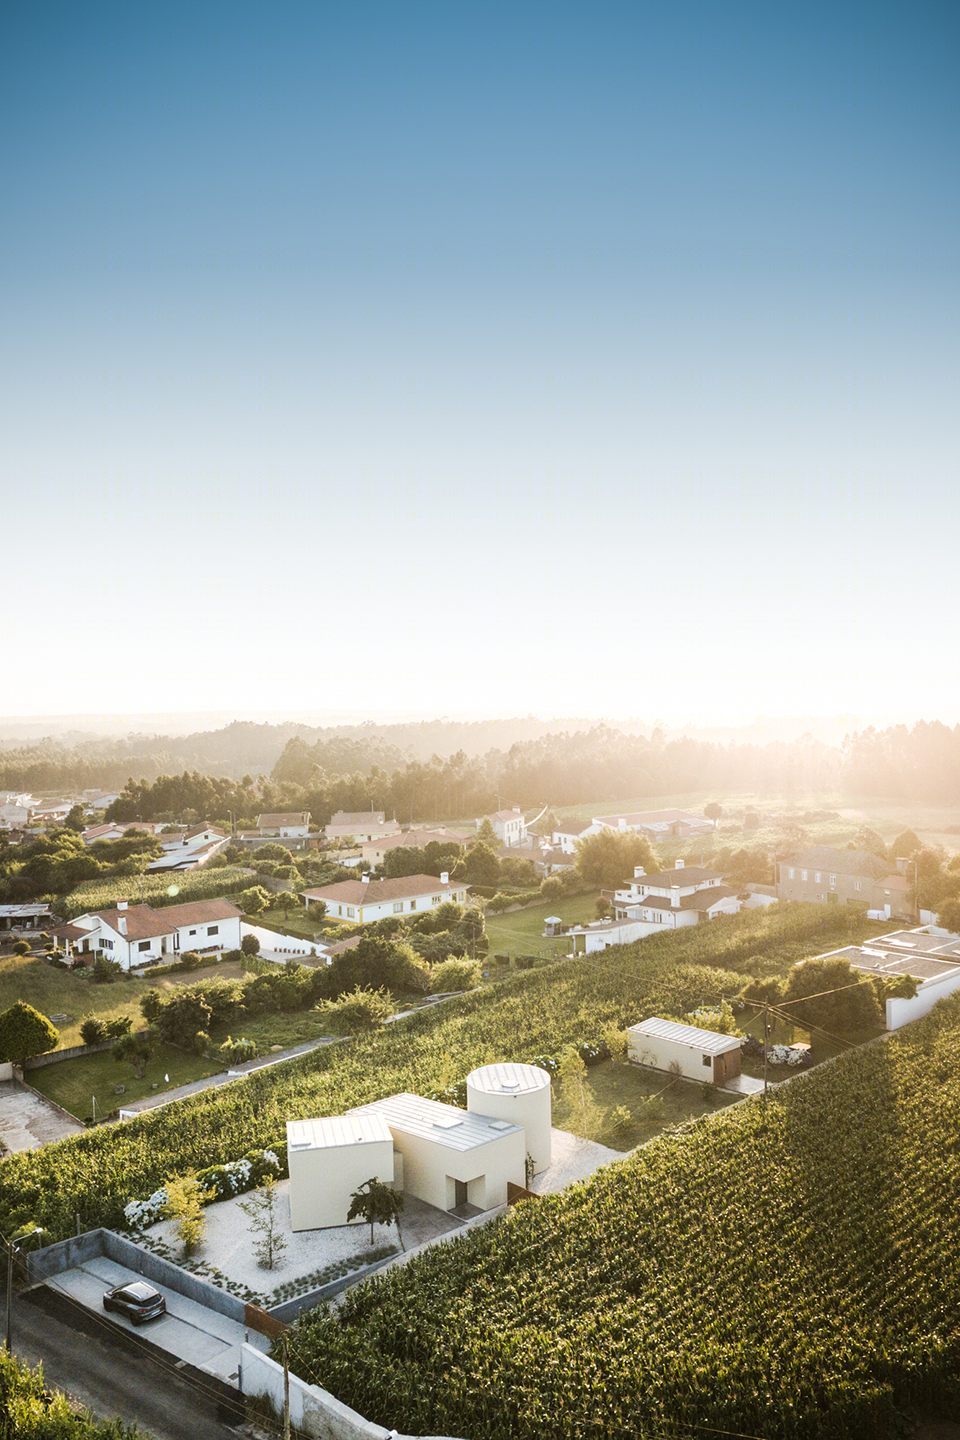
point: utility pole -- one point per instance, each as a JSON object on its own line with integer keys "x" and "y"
{"x": 286, "y": 1388}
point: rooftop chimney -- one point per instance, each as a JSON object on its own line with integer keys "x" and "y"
{"x": 122, "y": 924}
{"x": 444, "y": 877}
{"x": 638, "y": 870}
{"x": 679, "y": 865}
{"x": 621, "y": 823}
{"x": 366, "y": 878}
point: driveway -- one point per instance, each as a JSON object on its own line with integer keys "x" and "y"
{"x": 192, "y": 1333}
{"x": 27, "y": 1121}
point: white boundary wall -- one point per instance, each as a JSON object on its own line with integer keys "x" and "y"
{"x": 314, "y": 1411}
{"x": 901, "y": 1012}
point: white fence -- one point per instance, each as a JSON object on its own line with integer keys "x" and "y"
{"x": 281, "y": 947}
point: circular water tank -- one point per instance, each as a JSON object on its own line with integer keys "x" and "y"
{"x": 520, "y": 1093}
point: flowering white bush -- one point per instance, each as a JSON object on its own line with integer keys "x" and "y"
{"x": 141, "y": 1214}
{"x": 220, "y": 1182}
{"x": 785, "y": 1055}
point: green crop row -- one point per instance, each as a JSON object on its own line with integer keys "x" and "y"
{"x": 784, "y": 1269}
{"x": 156, "y": 890}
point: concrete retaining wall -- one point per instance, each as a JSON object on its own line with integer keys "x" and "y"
{"x": 53, "y": 1057}
{"x": 316, "y": 1412}
{"x": 79, "y": 1249}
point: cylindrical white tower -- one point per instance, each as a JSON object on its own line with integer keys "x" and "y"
{"x": 520, "y": 1093}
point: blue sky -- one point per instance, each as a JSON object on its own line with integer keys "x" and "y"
{"x": 483, "y": 358}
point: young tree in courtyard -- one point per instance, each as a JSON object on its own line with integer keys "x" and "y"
{"x": 377, "y": 1203}
{"x": 261, "y": 1207}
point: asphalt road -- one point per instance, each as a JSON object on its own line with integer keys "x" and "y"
{"x": 113, "y": 1373}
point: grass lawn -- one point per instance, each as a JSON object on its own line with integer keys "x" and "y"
{"x": 653, "y": 1100}
{"x": 74, "y": 1083}
{"x": 66, "y": 992}
{"x": 522, "y": 932}
{"x": 296, "y": 922}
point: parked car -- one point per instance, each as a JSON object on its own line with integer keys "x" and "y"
{"x": 136, "y": 1300}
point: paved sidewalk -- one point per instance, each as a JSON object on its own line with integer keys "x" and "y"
{"x": 227, "y": 1077}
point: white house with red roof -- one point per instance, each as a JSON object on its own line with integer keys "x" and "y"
{"x": 509, "y": 826}
{"x": 359, "y": 902}
{"x": 135, "y": 935}
{"x": 374, "y": 852}
{"x": 651, "y": 904}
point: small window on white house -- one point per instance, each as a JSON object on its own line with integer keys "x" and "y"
{"x": 436, "y": 899}
{"x": 413, "y": 904}
{"x": 191, "y": 932}
{"x": 833, "y": 879}
{"x": 213, "y": 929}
{"x": 817, "y": 877}
{"x": 803, "y": 874}
{"x": 144, "y": 945}
{"x": 706, "y": 1059}
{"x": 339, "y": 909}
{"x": 350, "y": 912}
{"x": 107, "y": 944}
{"x": 859, "y": 885}
{"x": 398, "y": 908}
{"x": 791, "y": 874}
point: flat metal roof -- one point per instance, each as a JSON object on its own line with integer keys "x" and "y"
{"x": 13, "y": 912}
{"x": 337, "y": 1131}
{"x": 432, "y": 1120}
{"x": 707, "y": 1041}
{"x": 509, "y": 1079}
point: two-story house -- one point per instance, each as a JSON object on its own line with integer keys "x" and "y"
{"x": 287, "y": 825}
{"x": 652, "y": 904}
{"x": 827, "y": 876}
{"x": 509, "y": 826}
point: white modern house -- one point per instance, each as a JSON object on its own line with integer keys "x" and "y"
{"x": 700, "y": 1054}
{"x": 438, "y": 1153}
{"x": 930, "y": 955}
{"x": 360, "y": 826}
{"x": 134, "y": 935}
{"x": 358, "y": 902}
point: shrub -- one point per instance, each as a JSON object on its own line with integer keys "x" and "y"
{"x": 122, "y": 1025}
{"x": 237, "y": 1051}
{"x": 358, "y": 1010}
{"x": 190, "y": 961}
{"x": 455, "y": 975}
{"x": 250, "y": 945}
{"x": 21, "y": 947}
{"x": 105, "y": 971}
{"x": 93, "y": 1031}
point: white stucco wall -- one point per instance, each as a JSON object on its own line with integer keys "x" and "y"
{"x": 529, "y": 1105}
{"x": 901, "y": 1012}
{"x": 323, "y": 1180}
{"x": 430, "y": 1169}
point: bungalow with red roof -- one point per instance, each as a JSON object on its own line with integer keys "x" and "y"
{"x": 135, "y": 935}
{"x": 359, "y": 902}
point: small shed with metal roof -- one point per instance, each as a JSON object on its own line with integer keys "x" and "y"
{"x": 700, "y": 1054}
